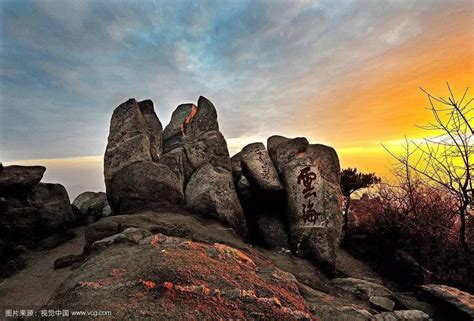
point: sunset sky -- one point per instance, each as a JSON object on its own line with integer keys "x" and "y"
{"x": 343, "y": 73}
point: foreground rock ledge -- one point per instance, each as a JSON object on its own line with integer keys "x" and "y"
{"x": 161, "y": 277}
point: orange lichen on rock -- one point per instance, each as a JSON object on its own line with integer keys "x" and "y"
{"x": 188, "y": 119}
{"x": 148, "y": 284}
{"x": 224, "y": 249}
{"x": 91, "y": 284}
{"x": 155, "y": 239}
{"x": 117, "y": 272}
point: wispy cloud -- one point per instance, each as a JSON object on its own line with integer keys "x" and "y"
{"x": 65, "y": 65}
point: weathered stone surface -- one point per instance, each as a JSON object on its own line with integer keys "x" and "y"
{"x": 188, "y": 122}
{"x": 174, "y": 132}
{"x": 131, "y": 234}
{"x": 283, "y": 150}
{"x": 236, "y": 165}
{"x": 381, "y": 303}
{"x": 329, "y": 308}
{"x": 258, "y": 167}
{"x": 314, "y": 211}
{"x": 68, "y": 260}
{"x": 144, "y": 185}
{"x": 272, "y": 231}
{"x": 152, "y": 280}
{"x": 403, "y": 315}
{"x": 327, "y": 161}
{"x": 135, "y": 135}
{"x": 409, "y": 301}
{"x": 91, "y": 206}
{"x": 210, "y": 147}
{"x": 462, "y": 301}
{"x": 210, "y": 192}
{"x": 53, "y": 205}
{"x": 153, "y": 128}
{"x": 15, "y": 176}
{"x": 361, "y": 288}
{"x": 173, "y": 222}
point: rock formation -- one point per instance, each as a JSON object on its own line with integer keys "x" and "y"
{"x": 181, "y": 280}
{"x": 290, "y": 193}
{"x": 89, "y": 207}
{"x": 294, "y": 187}
{"x": 32, "y": 214}
{"x": 187, "y": 165}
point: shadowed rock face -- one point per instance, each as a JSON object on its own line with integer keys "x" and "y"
{"x": 461, "y": 303}
{"x": 210, "y": 192}
{"x": 89, "y": 207}
{"x": 191, "y": 168}
{"x": 32, "y": 214}
{"x": 16, "y": 177}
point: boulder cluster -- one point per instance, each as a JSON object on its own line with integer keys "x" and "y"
{"x": 32, "y": 214}
{"x": 288, "y": 195}
{"x": 291, "y": 193}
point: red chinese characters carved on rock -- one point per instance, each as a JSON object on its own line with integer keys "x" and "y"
{"x": 306, "y": 178}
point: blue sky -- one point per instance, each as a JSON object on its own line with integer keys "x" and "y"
{"x": 66, "y": 64}
{"x": 270, "y": 67}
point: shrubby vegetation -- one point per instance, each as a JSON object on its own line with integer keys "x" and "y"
{"x": 420, "y": 229}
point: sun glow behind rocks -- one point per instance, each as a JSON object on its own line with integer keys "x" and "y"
{"x": 346, "y": 75}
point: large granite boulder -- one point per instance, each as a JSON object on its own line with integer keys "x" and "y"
{"x": 310, "y": 175}
{"x": 144, "y": 185}
{"x": 194, "y": 131}
{"x": 135, "y": 135}
{"x": 137, "y": 175}
{"x": 186, "y": 165}
{"x": 20, "y": 177}
{"x": 171, "y": 278}
{"x": 210, "y": 192}
{"x": 53, "y": 206}
{"x": 32, "y": 214}
{"x": 90, "y": 206}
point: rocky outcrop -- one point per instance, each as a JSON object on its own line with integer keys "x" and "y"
{"x": 32, "y": 214}
{"x": 90, "y": 206}
{"x": 53, "y": 206}
{"x": 18, "y": 177}
{"x": 462, "y": 303}
{"x": 296, "y": 185}
{"x": 152, "y": 280}
{"x": 134, "y": 176}
{"x": 210, "y": 192}
{"x": 261, "y": 194}
{"x": 361, "y": 288}
{"x": 187, "y": 165}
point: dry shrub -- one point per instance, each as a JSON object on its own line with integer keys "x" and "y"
{"x": 411, "y": 233}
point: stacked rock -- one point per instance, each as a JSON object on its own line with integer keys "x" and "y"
{"x": 186, "y": 165}
{"x": 32, "y": 214}
{"x": 293, "y": 187}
